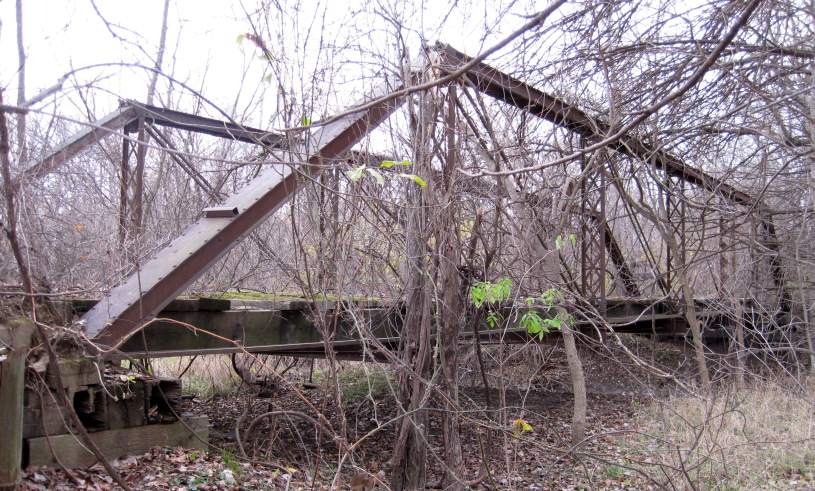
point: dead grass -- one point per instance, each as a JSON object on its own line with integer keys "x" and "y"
{"x": 757, "y": 438}
{"x": 213, "y": 375}
{"x": 206, "y": 377}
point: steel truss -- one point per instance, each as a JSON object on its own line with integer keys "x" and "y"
{"x": 159, "y": 280}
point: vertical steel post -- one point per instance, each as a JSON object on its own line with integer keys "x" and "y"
{"x": 675, "y": 215}
{"x": 592, "y": 230}
{"x": 124, "y": 187}
{"x": 724, "y": 247}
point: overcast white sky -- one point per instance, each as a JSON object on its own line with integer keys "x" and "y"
{"x": 201, "y": 45}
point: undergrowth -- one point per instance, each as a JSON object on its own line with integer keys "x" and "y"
{"x": 207, "y": 376}
{"x": 756, "y": 438}
{"x": 360, "y": 382}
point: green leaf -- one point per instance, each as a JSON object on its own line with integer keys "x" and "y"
{"x": 376, "y": 175}
{"x": 306, "y": 121}
{"x": 418, "y": 180}
{"x": 493, "y": 319}
{"x": 558, "y": 242}
{"x": 356, "y": 173}
{"x": 478, "y": 294}
{"x": 503, "y": 290}
{"x": 240, "y": 38}
{"x": 388, "y": 164}
{"x": 550, "y": 296}
{"x": 533, "y": 323}
{"x": 491, "y": 293}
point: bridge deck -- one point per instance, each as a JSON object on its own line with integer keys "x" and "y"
{"x": 199, "y": 326}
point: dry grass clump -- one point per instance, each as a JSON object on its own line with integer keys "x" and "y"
{"x": 756, "y": 438}
{"x": 207, "y": 376}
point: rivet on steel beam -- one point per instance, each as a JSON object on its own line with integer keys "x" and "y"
{"x": 220, "y": 212}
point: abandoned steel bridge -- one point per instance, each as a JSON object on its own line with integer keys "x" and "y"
{"x": 177, "y": 326}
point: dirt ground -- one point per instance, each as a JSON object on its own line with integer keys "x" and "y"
{"x": 288, "y": 452}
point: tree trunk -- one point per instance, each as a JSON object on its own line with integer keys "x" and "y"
{"x": 409, "y": 466}
{"x": 21, "y": 124}
{"x": 410, "y": 450}
{"x": 694, "y": 323}
{"x": 452, "y": 307}
{"x": 578, "y": 379}
{"x": 10, "y": 192}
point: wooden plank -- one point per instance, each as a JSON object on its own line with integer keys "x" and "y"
{"x": 115, "y": 444}
{"x": 12, "y": 388}
{"x": 182, "y": 305}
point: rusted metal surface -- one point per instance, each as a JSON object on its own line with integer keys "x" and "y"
{"x": 127, "y": 116}
{"x": 111, "y": 123}
{"x": 512, "y": 91}
{"x": 199, "y": 124}
{"x": 503, "y": 87}
{"x": 220, "y": 212}
{"x": 291, "y": 329}
{"x": 159, "y": 280}
{"x": 593, "y": 245}
{"x": 676, "y": 213}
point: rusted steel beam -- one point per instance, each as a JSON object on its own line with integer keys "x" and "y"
{"x": 111, "y": 123}
{"x": 173, "y": 268}
{"x": 618, "y": 258}
{"x": 593, "y": 246}
{"x": 512, "y": 91}
{"x": 615, "y": 253}
{"x": 199, "y": 124}
{"x": 128, "y": 113}
{"x": 676, "y": 215}
{"x": 774, "y": 250}
{"x": 294, "y": 331}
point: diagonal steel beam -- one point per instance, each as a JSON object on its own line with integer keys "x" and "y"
{"x": 103, "y": 127}
{"x": 177, "y": 265}
{"x": 512, "y": 91}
